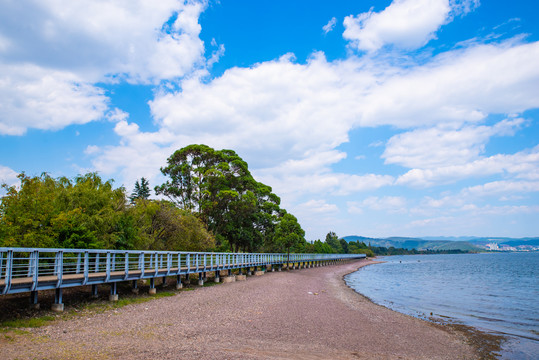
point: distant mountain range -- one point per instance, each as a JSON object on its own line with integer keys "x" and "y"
{"x": 450, "y": 243}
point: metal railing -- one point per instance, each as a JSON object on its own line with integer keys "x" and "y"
{"x": 33, "y": 269}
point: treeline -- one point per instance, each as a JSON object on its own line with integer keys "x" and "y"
{"x": 213, "y": 203}
{"x": 89, "y": 213}
{"x": 335, "y": 245}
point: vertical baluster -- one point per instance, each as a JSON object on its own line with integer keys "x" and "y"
{"x": 126, "y": 265}
{"x": 86, "y": 267}
{"x": 107, "y": 267}
{"x": 77, "y": 270}
{"x": 35, "y": 271}
{"x": 141, "y": 264}
{"x": 59, "y": 267}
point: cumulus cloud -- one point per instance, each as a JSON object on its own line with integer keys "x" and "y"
{"x": 436, "y": 147}
{"x": 53, "y": 52}
{"x": 407, "y": 24}
{"x": 521, "y": 165}
{"x": 33, "y": 97}
{"x": 287, "y": 119}
{"x": 143, "y": 41}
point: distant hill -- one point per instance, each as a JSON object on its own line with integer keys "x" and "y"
{"x": 415, "y": 243}
{"x": 469, "y": 243}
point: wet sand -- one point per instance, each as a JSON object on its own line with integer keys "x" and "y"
{"x": 297, "y": 314}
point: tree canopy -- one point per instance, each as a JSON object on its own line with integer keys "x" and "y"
{"x": 87, "y": 212}
{"x": 218, "y": 187}
{"x": 141, "y": 191}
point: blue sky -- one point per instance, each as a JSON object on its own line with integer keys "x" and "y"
{"x": 374, "y": 118}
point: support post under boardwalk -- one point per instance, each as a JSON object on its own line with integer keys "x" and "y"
{"x": 33, "y": 300}
{"x": 217, "y": 276}
{"x": 58, "y": 306}
{"x": 179, "y": 284}
{"x": 200, "y": 279}
{"x": 113, "y": 292}
{"x": 94, "y": 291}
{"x": 134, "y": 287}
{"x": 152, "y": 290}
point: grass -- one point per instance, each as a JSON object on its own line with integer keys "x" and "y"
{"x": 33, "y": 322}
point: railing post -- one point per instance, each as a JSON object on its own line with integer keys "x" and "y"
{"x": 59, "y": 267}
{"x": 9, "y": 270}
{"x": 35, "y": 272}
{"x": 126, "y": 265}
{"x": 86, "y": 267}
{"x": 107, "y": 267}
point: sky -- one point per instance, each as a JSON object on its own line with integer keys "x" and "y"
{"x": 376, "y": 118}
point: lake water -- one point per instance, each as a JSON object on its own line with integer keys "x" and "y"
{"x": 494, "y": 292}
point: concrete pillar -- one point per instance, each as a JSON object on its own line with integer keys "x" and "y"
{"x": 217, "y": 276}
{"x": 58, "y": 306}
{"x": 200, "y": 279}
{"x": 33, "y": 301}
{"x": 152, "y": 290}
{"x": 204, "y": 276}
{"x": 280, "y": 268}
{"x": 179, "y": 284}
{"x": 113, "y": 292}
{"x": 134, "y": 287}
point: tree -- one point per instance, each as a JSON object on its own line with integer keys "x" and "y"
{"x": 333, "y": 240}
{"x": 82, "y": 213}
{"x": 218, "y": 187}
{"x": 141, "y": 191}
{"x": 162, "y": 226}
{"x": 288, "y": 233}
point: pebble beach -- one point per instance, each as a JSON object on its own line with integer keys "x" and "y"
{"x": 296, "y": 314}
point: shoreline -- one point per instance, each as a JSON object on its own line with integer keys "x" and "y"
{"x": 487, "y": 345}
{"x": 308, "y": 313}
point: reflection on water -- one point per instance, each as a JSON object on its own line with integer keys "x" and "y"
{"x": 495, "y": 292}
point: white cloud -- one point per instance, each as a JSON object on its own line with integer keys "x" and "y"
{"x": 521, "y": 165}
{"x": 389, "y": 204}
{"x": 407, "y": 24}
{"x": 435, "y": 147}
{"x": 330, "y": 25}
{"x": 34, "y": 97}
{"x": 318, "y": 206}
{"x": 8, "y": 176}
{"x": 143, "y": 40}
{"x": 502, "y": 187}
{"x": 53, "y": 52}
{"x": 287, "y": 119}
{"x": 455, "y": 87}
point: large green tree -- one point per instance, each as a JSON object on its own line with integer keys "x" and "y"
{"x": 218, "y": 187}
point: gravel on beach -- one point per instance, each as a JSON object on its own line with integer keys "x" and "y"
{"x": 296, "y": 314}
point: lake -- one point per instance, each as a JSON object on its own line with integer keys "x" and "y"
{"x": 494, "y": 292}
